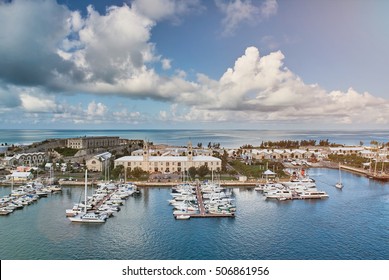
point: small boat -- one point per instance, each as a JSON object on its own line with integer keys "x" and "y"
{"x": 314, "y": 195}
{"x": 339, "y": 184}
{"x": 182, "y": 217}
{"x": 4, "y": 211}
{"x": 280, "y": 195}
{"x": 54, "y": 188}
{"x": 89, "y": 218}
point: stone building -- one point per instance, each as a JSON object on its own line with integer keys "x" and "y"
{"x": 168, "y": 164}
{"x": 93, "y": 142}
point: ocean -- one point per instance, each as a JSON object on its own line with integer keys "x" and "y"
{"x": 226, "y": 138}
{"x": 352, "y": 224}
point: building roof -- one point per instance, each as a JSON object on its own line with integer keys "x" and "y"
{"x": 167, "y": 158}
{"x": 103, "y": 156}
{"x": 19, "y": 174}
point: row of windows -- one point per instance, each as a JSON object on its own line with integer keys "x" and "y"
{"x": 162, "y": 163}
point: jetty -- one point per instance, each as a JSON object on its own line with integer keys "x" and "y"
{"x": 367, "y": 173}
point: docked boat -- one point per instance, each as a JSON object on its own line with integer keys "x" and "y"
{"x": 4, "y": 211}
{"x": 280, "y": 195}
{"x": 314, "y": 195}
{"x": 88, "y": 217}
{"x": 54, "y": 188}
{"x": 76, "y": 210}
{"x": 182, "y": 217}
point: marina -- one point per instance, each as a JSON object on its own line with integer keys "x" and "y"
{"x": 25, "y": 195}
{"x": 145, "y": 229}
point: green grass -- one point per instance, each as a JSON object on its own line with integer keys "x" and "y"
{"x": 66, "y": 152}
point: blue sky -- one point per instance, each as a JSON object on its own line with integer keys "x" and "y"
{"x": 201, "y": 64}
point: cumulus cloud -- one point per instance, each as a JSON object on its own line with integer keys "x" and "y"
{"x": 260, "y": 89}
{"x": 237, "y": 12}
{"x": 38, "y": 103}
{"x": 96, "y": 109}
{"x": 111, "y": 54}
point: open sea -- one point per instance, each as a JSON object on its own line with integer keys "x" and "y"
{"x": 226, "y": 138}
{"x": 352, "y": 224}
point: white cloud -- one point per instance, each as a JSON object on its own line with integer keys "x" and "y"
{"x": 35, "y": 102}
{"x": 111, "y": 54}
{"x": 166, "y": 9}
{"x": 260, "y": 89}
{"x": 237, "y": 12}
{"x": 166, "y": 64}
{"x": 96, "y": 109}
{"x": 115, "y": 45}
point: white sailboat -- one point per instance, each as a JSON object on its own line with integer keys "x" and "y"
{"x": 339, "y": 184}
{"x": 88, "y": 217}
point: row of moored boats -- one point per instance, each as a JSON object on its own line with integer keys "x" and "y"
{"x": 105, "y": 201}
{"x": 25, "y": 195}
{"x": 301, "y": 188}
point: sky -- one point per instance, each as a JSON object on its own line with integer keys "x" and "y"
{"x": 210, "y": 64}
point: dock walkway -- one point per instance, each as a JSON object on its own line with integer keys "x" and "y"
{"x": 367, "y": 173}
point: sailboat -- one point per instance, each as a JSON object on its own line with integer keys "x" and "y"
{"x": 53, "y": 187}
{"x": 88, "y": 217}
{"x": 339, "y": 184}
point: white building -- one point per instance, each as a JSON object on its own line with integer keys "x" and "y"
{"x": 346, "y": 150}
{"x": 27, "y": 159}
{"x": 168, "y": 164}
{"x": 21, "y": 176}
{"x": 96, "y": 163}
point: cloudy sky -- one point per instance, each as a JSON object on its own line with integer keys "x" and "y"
{"x": 259, "y": 64}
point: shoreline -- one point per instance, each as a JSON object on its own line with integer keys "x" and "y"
{"x": 247, "y": 184}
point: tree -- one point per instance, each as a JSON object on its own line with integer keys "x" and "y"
{"x": 137, "y": 172}
{"x": 192, "y": 172}
{"x": 224, "y": 161}
{"x": 203, "y": 171}
{"x": 118, "y": 171}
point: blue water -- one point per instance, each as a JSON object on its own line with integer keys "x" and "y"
{"x": 352, "y": 224}
{"x": 227, "y": 138}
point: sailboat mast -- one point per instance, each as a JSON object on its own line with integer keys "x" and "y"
{"x": 86, "y": 186}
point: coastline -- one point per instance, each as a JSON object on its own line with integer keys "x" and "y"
{"x": 224, "y": 183}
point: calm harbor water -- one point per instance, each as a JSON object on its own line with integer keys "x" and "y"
{"x": 227, "y": 138}
{"x": 352, "y": 224}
